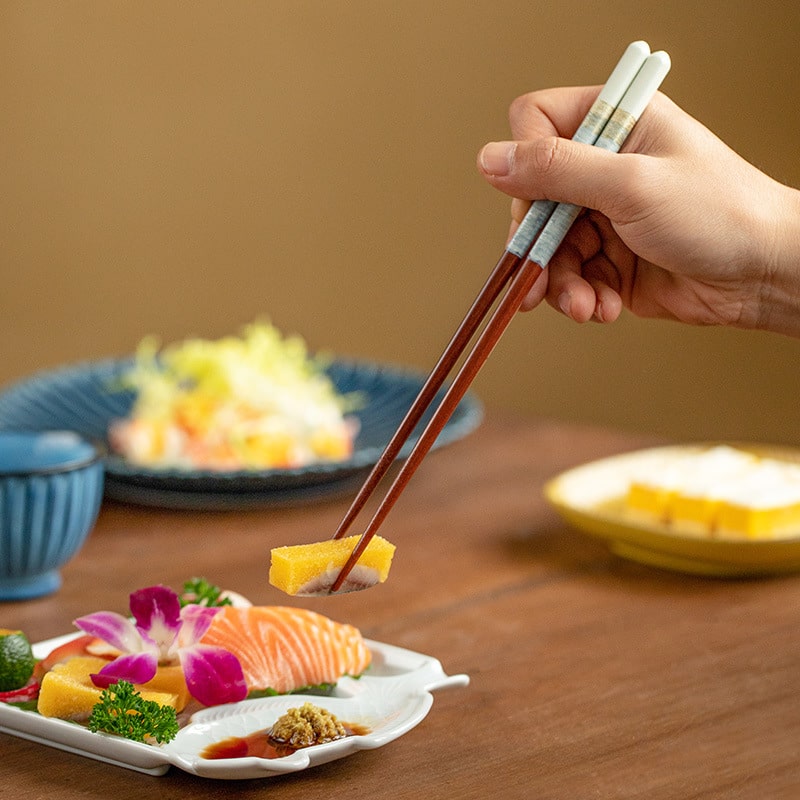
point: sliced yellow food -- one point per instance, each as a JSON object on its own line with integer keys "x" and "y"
{"x": 648, "y": 499}
{"x": 693, "y": 512}
{"x": 310, "y": 569}
{"x": 766, "y": 510}
{"x": 67, "y": 691}
{"x": 720, "y": 491}
{"x": 758, "y": 523}
{"x": 169, "y": 680}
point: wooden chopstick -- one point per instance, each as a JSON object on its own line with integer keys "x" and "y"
{"x": 512, "y": 264}
{"x": 504, "y": 269}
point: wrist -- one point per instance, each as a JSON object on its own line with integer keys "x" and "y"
{"x": 780, "y": 293}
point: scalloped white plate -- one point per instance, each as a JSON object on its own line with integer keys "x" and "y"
{"x": 389, "y": 700}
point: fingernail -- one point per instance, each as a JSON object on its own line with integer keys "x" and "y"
{"x": 598, "y": 312}
{"x": 565, "y": 302}
{"x": 497, "y": 158}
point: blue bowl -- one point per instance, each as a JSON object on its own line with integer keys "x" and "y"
{"x": 51, "y": 487}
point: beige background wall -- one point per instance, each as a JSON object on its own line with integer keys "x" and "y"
{"x": 181, "y": 168}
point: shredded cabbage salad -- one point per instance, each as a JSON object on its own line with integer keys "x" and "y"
{"x": 258, "y": 401}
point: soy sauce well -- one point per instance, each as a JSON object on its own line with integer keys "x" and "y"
{"x": 262, "y": 744}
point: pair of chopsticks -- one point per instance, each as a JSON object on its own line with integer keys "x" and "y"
{"x": 623, "y": 98}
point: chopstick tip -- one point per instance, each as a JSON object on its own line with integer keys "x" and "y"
{"x": 639, "y": 46}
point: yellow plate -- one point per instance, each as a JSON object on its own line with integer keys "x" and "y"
{"x": 591, "y": 497}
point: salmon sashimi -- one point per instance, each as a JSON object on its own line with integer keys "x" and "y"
{"x": 284, "y": 649}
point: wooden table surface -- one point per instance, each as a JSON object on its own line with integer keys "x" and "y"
{"x": 590, "y": 677}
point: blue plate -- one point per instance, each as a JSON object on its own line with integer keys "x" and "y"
{"x": 86, "y": 397}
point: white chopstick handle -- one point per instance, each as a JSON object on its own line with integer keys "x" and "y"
{"x": 626, "y": 70}
{"x": 634, "y": 102}
{"x": 627, "y": 113}
{"x": 645, "y": 84}
{"x": 628, "y": 67}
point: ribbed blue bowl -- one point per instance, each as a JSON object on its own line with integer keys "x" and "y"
{"x": 51, "y": 487}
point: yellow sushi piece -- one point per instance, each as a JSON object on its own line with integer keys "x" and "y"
{"x": 765, "y": 506}
{"x": 648, "y": 499}
{"x": 719, "y": 492}
{"x": 758, "y": 522}
{"x": 169, "y": 680}
{"x": 694, "y": 512}
{"x": 651, "y": 493}
{"x": 67, "y": 691}
{"x": 311, "y": 569}
{"x": 696, "y": 504}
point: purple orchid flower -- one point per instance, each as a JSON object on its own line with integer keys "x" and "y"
{"x": 161, "y": 634}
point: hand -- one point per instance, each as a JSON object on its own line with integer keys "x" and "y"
{"x": 678, "y": 225}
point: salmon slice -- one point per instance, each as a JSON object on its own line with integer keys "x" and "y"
{"x": 283, "y": 649}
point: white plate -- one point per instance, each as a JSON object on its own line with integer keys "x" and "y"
{"x": 389, "y": 700}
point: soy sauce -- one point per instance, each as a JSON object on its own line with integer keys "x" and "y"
{"x": 262, "y": 744}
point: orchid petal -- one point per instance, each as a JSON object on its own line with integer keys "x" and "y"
{"x": 157, "y": 610}
{"x": 196, "y": 621}
{"x": 135, "y": 668}
{"x": 213, "y": 675}
{"x": 113, "y": 628}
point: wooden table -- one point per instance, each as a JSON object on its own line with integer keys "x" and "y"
{"x": 591, "y": 677}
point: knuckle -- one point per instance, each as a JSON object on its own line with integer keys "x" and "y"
{"x": 525, "y": 112}
{"x": 520, "y": 109}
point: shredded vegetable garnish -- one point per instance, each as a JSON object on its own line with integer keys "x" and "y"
{"x": 258, "y": 401}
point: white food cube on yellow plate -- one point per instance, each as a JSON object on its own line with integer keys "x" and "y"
{"x": 765, "y": 506}
{"x": 695, "y": 505}
{"x": 650, "y": 492}
{"x": 720, "y": 491}
{"x": 681, "y": 486}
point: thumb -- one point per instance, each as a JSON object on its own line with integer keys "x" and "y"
{"x": 556, "y": 169}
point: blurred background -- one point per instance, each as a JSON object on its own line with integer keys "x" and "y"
{"x": 178, "y": 169}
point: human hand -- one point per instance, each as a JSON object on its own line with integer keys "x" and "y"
{"x": 677, "y": 226}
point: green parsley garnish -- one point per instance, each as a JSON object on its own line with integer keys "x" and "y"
{"x": 202, "y": 593}
{"x": 123, "y": 710}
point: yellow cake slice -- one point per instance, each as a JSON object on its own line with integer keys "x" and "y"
{"x": 765, "y": 519}
{"x": 311, "y": 569}
{"x": 695, "y": 505}
{"x": 169, "y": 680}
{"x": 67, "y": 691}
{"x": 653, "y": 488}
{"x": 768, "y": 505}
{"x": 719, "y": 492}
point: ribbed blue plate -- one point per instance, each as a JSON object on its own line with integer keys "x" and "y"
{"x": 86, "y": 397}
